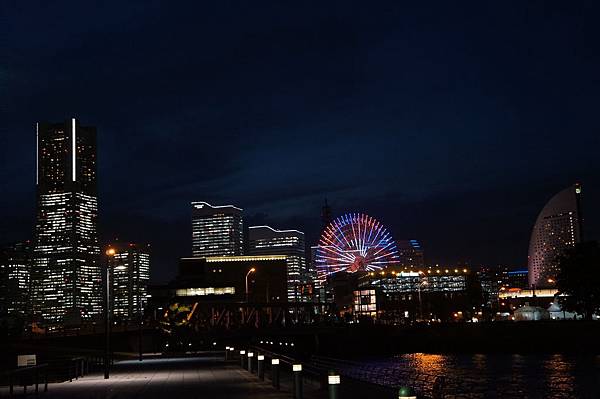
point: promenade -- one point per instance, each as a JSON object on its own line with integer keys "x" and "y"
{"x": 173, "y": 378}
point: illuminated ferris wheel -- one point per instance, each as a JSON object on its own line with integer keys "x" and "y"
{"x": 355, "y": 242}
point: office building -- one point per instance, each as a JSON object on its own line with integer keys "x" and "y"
{"x": 410, "y": 254}
{"x": 15, "y": 282}
{"x": 130, "y": 273}
{"x": 217, "y": 230}
{"x": 321, "y": 292}
{"x": 498, "y": 280}
{"x": 66, "y": 273}
{"x": 233, "y": 278}
{"x": 264, "y": 240}
{"x": 557, "y": 228}
{"x": 517, "y": 279}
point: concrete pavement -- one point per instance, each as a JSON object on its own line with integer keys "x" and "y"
{"x": 173, "y": 378}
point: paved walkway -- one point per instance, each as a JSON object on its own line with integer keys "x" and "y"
{"x": 173, "y": 378}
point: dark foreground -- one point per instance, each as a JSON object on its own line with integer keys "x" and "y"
{"x": 174, "y": 378}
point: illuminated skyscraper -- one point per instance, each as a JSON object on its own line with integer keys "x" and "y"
{"x": 557, "y": 227}
{"x": 216, "y": 230}
{"x": 66, "y": 274}
{"x": 264, "y": 240}
{"x": 130, "y": 267}
{"x": 15, "y": 279}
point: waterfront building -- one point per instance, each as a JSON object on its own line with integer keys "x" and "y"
{"x": 15, "y": 280}
{"x": 491, "y": 280}
{"x": 66, "y": 274}
{"x": 558, "y": 227}
{"x": 264, "y": 240}
{"x": 130, "y": 273}
{"x": 512, "y": 299}
{"x": 226, "y": 278}
{"x": 217, "y": 230}
{"x": 499, "y": 279}
{"x": 431, "y": 293}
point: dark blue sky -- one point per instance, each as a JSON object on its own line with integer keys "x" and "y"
{"x": 452, "y": 123}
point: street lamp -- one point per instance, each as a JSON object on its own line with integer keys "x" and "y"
{"x": 110, "y": 252}
{"x": 422, "y": 282}
{"x": 248, "y": 274}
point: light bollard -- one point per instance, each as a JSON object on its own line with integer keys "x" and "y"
{"x": 406, "y": 393}
{"x": 250, "y": 356}
{"x": 333, "y": 382}
{"x": 226, "y": 353}
{"x": 243, "y": 359}
{"x": 297, "y": 369}
{"x": 275, "y": 372}
{"x": 261, "y": 367}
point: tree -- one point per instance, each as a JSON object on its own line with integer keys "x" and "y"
{"x": 579, "y": 278}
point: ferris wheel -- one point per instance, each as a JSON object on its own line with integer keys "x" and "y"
{"x": 355, "y": 242}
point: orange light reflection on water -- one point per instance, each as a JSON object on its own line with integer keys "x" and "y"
{"x": 428, "y": 363}
{"x": 559, "y": 374}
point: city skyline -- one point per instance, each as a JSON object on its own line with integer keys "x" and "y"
{"x": 312, "y": 200}
{"x": 197, "y": 207}
{"x": 466, "y": 148}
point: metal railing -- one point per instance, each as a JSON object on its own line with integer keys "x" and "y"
{"x": 57, "y": 370}
{"x": 30, "y": 375}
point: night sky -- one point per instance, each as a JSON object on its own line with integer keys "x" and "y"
{"x": 450, "y": 122}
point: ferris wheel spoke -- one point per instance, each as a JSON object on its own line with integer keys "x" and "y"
{"x": 335, "y": 259}
{"x": 339, "y": 252}
{"x": 376, "y": 254}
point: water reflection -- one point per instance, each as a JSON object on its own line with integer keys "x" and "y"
{"x": 509, "y": 375}
{"x": 425, "y": 363}
{"x": 559, "y": 375}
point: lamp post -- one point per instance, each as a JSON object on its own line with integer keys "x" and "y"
{"x": 110, "y": 252}
{"x": 422, "y": 282}
{"x": 248, "y": 274}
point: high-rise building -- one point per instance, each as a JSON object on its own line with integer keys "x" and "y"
{"x": 217, "y": 230}
{"x": 130, "y": 273}
{"x": 557, "y": 228}
{"x": 66, "y": 272}
{"x": 15, "y": 282}
{"x": 264, "y": 240}
{"x": 410, "y": 253}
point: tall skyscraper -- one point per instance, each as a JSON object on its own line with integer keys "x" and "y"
{"x": 15, "y": 280}
{"x": 264, "y": 240}
{"x": 557, "y": 227}
{"x": 66, "y": 273}
{"x": 130, "y": 267}
{"x": 217, "y": 230}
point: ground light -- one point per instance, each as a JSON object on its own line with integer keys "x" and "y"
{"x": 275, "y": 372}
{"x": 333, "y": 381}
{"x": 297, "y": 369}
{"x": 406, "y": 393}
{"x": 261, "y": 367}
